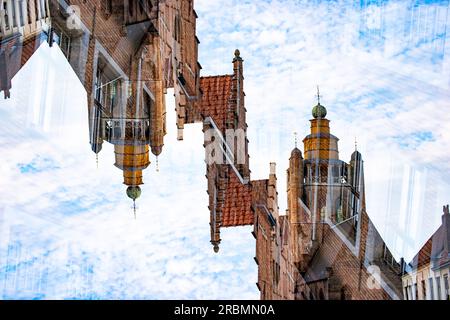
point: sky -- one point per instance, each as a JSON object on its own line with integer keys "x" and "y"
{"x": 66, "y": 227}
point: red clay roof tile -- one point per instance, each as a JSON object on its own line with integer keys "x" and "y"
{"x": 237, "y": 210}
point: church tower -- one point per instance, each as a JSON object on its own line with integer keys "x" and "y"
{"x": 321, "y": 189}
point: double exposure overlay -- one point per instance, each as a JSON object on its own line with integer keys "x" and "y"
{"x": 161, "y": 149}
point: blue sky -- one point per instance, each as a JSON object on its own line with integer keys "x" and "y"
{"x": 66, "y": 227}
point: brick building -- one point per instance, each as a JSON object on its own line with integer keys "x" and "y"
{"x": 336, "y": 248}
{"x": 325, "y": 246}
{"x": 126, "y": 53}
{"x": 426, "y": 277}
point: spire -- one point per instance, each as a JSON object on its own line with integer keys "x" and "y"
{"x": 295, "y": 139}
{"x": 356, "y": 145}
{"x": 319, "y": 111}
{"x": 318, "y": 95}
{"x": 157, "y": 164}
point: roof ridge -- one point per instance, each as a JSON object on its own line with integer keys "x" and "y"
{"x": 217, "y": 76}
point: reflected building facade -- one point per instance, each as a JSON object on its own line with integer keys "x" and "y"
{"x": 126, "y": 54}
{"x": 426, "y": 277}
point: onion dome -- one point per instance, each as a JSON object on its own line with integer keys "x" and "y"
{"x": 319, "y": 111}
{"x": 216, "y": 248}
{"x": 133, "y": 192}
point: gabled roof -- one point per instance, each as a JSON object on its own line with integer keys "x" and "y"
{"x": 237, "y": 210}
{"x": 216, "y": 90}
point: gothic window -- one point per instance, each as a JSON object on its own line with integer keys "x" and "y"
{"x": 177, "y": 28}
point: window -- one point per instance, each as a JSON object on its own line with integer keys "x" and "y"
{"x": 438, "y": 288}
{"x": 430, "y": 283}
{"x": 177, "y": 28}
{"x": 108, "y": 85}
{"x": 416, "y": 292}
{"x": 63, "y": 40}
{"x": 424, "y": 290}
{"x": 447, "y": 293}
{"x": 339, "y": 215}
{"x": 275, "y": 273}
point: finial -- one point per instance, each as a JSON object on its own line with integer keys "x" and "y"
{"x": 96, "y": 159}
{"x": 446, "y": 209}
{"x": 157, "y": 164}
{"x": 356, "y": 145}
{"x": 318, "y": 95}
{"x": 295, "y": 138}
{"x": 134, "y": 209}
{"x": 237, "y": 55}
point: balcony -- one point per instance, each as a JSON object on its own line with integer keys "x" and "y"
{"x": 26, "y": 17}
